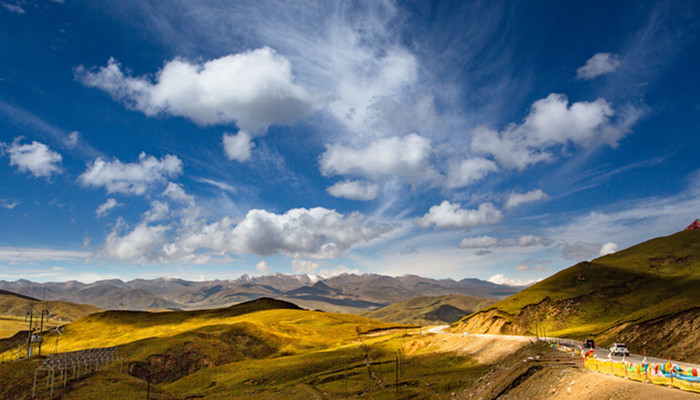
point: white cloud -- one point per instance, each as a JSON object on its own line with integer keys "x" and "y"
{"x": 516, "y": 199}
{"x": 15, "y": 8}
{"x": 237, "y": 147}
{"x": 72, "y": 139}
{"x": 254, "y": 89}
{"x": 9, "y": 204}
{"x": 599, "y": 64}
{"x": 479, "y": 242}
{"x": 552, "y": 123}
{"x": 305, "y": 267}
{"x": 131, "y": 178}
{"x": 14, "y": 255}
{"x": 158, "y": 212}
{"x": 143, "y": 243}
{"x": 262, "y": 267}
{"x": 354, "y": 190}
{"x": 407, "y": 157}
{"x": 335, "y": 271}
{"x": 469, "y": 171}
{"x": 221, "y": 185}
{"x": 35, "y": 158}
{"x": 529, "y": 240}
{"x": 314, "y": 233}
{"x": 106, "y": 206}
{"x": 608, "y": 248}
{"x": 368, "y": 85}
{"x": 448, "y": 215}
{"x": 501, "y": 279}
{"x": 175, "y": 192}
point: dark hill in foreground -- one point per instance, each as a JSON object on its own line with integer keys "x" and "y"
{"x": 647, "y": 295}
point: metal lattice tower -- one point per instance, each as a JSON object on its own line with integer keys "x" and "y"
{"x": 77, "y": 362}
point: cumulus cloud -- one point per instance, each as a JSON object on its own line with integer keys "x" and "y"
{"x": 298, "y": 233}
{"x": 501, "y": 279}
{"x": 479, "y": 242}
{"x": 143, "y": 243}
{"x": 354, "y": 190}
{"x": 599, "y": 64}
{"x": 104, "y": 208}
{"x": 552, "y": 123}
{"x": 35, "y": 158}
{"x": 448, "y": 215}
{"x": 175, "y": 192}
{"x": 580, "y": 251}
{"x": 469, "y": 171}
{"x": 237, "y": 147}
{"x": 407, "y": 157}
{"x": 316, "y": 232}
{"x": 608, "y": 248}
{"x": 131, "y": 178}
{"x": 516, "y": 199}
{"x": 305, "y": 267}
{"x": 262, "y": 267}
{"x": 529, "y": 240}
{"x": 254, "y": 89}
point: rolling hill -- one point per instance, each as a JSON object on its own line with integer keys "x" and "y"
{"x": 646, "y": 295}
{"x": 436, "y": 310}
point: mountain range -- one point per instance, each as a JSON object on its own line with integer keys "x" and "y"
{"x": 342, "y": 293}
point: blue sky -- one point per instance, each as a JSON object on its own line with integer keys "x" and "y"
{"x": 208, "y": 139}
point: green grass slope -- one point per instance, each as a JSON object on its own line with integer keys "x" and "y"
{"x": 430, "y": 310}
{"x": 618, "y": 296}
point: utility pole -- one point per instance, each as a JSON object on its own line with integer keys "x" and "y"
{"x": 29, "y": 336}
{"x": 44, "y": 312}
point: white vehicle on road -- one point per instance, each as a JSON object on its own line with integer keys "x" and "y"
{"x": 619, "y": 349}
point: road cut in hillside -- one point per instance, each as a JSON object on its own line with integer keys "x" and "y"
{"x": 522, "y": 369}
{"x": 484, "y": 348}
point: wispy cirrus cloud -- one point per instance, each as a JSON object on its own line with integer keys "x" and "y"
{"x": 516, "y": 199}
{"x": 452, "y": 216}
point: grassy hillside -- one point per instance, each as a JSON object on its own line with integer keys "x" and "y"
{"x": 430, "y": 310}
{"x": 262, "y": 349}
{"x": 269, "y": 326}
{"x": 610, "y": 297}
{"x": 13, "y": 308}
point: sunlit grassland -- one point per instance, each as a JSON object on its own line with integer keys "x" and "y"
{"x": 266, "y": 354}
{"x": 358, "y": 369}
{"x": 295, "y": 329}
